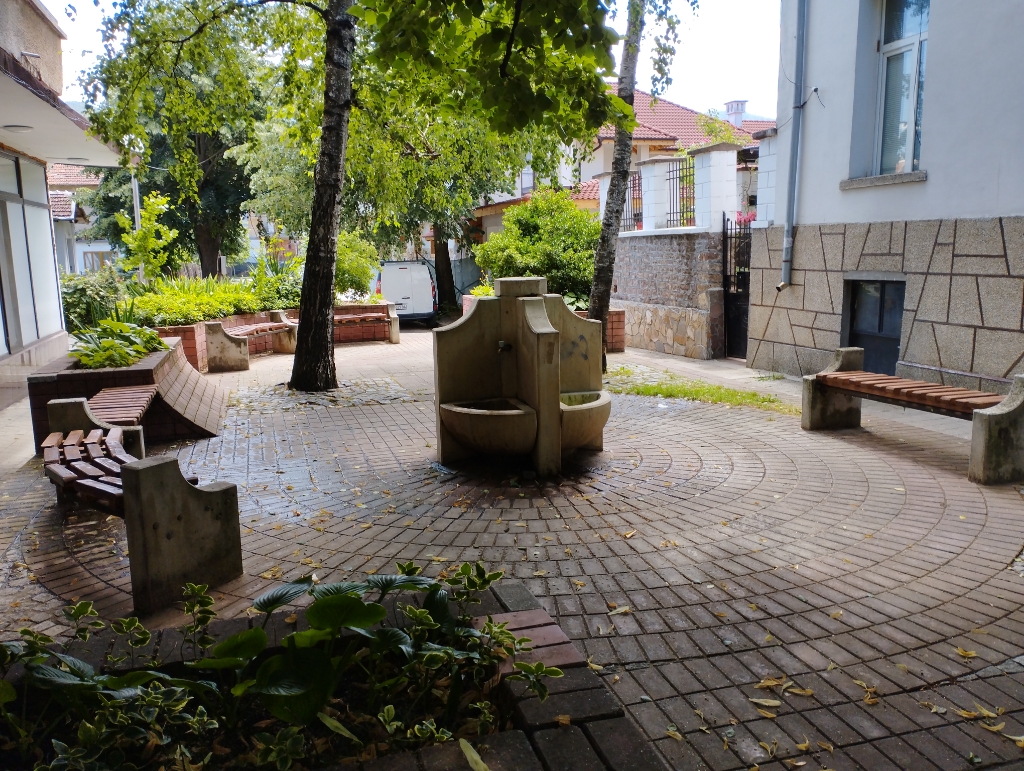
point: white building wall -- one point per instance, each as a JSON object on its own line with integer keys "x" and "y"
{"x": 971, "y": 110}
{"x": 766, "y": 176}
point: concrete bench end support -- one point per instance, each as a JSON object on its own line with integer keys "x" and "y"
{"x": 177, "y": 533}
{"x": 284, "y": 340}
{"x": 824, "y": 409}
{"x": 67, "y": 415}
{"x": 224, "y": 352}
{"x": 394, "y": 334}
{"x": 997, "y": 440}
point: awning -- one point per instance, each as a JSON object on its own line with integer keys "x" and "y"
{"x": 35, "y": 122}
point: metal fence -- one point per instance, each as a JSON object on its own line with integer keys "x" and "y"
{"x": 680, "y": 194}
{"x": 633, "y": 211}
{"x": 736, "y": 249}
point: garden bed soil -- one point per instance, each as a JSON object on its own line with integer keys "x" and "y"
{"x": 187, "y": 406}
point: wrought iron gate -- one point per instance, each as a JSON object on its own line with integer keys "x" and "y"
{"x": 736, "y": 242}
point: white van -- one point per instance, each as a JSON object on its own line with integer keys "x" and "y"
{"x": 411, "y": 286}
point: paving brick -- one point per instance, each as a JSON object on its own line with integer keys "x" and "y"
{"x": 621, "y": 746}
{"x": 566, "y": 749}
{"x": 580, "y": 706}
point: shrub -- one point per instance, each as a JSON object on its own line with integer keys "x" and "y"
{"x": 383, "y": 666}
{"x": 356, "y": 265}
{"x": 89, "y": 297}
{"x": 546, "y": 236}
{"x": 114, "y": 344}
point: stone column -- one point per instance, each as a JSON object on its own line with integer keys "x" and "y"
{"x": 604, "y": 180}
{"x": 714, "y": 177}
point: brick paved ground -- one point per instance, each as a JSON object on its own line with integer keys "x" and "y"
{"x": 853, "y": 563}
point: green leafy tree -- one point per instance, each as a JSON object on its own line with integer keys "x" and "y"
{"x": 518, "y": 62}
{"x": 357, "y": 261}
{"x": 546, "y": 236}
{"x": 148, "y": 246}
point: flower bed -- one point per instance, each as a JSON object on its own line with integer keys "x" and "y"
{"x": 352, "y": 679}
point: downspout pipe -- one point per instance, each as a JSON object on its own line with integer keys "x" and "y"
{"x": 794, "y": 144}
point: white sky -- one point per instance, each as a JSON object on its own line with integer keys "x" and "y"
{"x": 728, "y": 50}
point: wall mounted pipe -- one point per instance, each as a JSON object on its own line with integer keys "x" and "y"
{"x": 794, "y": 145}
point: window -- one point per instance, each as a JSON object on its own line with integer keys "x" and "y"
{"x": 903, "y": 49}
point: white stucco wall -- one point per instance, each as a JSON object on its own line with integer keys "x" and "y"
{"x": 972, "y": 111}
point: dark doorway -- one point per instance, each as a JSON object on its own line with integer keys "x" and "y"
{"x": 876, "y": 318}
{"x": 736, "y": 243}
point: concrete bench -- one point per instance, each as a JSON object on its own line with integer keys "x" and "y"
{"x": 66, "y": 416}
{"x": 227, "y": 348}
{"x": 832, "y": 400}
{"x": 364, "y": 324}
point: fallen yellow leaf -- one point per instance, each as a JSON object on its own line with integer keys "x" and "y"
{"x": 987, "y": 712}
{"x": 767, "y": 702}
{"x": 765, "y": 713}
{"x": 806, "y": 746}
{"x": 994, "y": 728}
{"x": 802, "y": 691}
{"x": 563, "y": 719}
{"x": 966, "y": 714}
{"x": 630, "y": 534}
{"x": 965, "y": 653}
{"x": 752, "y": 606}
{"x": 722, "y": 615}
{"x": 675, "y": 735}
{"x": 979, "y": 631}
{"x": 592, "y": 665}
{"x": 617, "y": 611}
{"x": 540, "y": 572}
{"x": 837, "y": 615}
{"x": 826, "y": 746}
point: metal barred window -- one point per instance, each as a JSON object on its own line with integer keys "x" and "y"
{"x": 680, "y": 194}
{"x": 633, "y": 210}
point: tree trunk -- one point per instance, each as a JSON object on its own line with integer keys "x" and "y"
{"x": 313, "y": 368}
{"x": 618, "y": 184}
{"x": 443, "y": 268}
{"x": 209, "y": 249}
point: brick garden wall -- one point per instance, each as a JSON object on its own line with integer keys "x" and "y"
{"x": 962, "y": 318}
{"x": 670, "y": 286}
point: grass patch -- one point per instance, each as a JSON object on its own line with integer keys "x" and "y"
{"x": 699, "y": 391}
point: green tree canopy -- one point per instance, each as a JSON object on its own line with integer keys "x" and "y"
{"x": 546, "y": 236}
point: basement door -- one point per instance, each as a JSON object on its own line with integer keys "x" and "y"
{"x": 876, "y": 322}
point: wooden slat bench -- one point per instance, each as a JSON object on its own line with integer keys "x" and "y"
{"x": 228, "y": 348}
{"x": 364, "y": 323}
{"x": 123, "y": 406}
{"x": 832, "y": 400}
{"x": 88, "y": 467}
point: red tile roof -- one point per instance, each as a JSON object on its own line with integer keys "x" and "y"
{"x": 63, "y": 175}
{"x": 752, "y": 126}
{"x": 61, "y": 207}
{"x": 670, "y": 121}
{"x": 587, "y": 191}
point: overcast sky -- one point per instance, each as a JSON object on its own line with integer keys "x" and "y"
{"x": 729, "y": 49}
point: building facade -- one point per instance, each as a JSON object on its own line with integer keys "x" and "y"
{"x": 36, "y": 129}
{"x": 908, "y": 206}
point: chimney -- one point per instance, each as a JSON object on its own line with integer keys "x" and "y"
{"x": 734, "y": 112}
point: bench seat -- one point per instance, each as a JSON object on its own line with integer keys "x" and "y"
{"x": 918, "y": 394}
{"x": 122, "y": 406}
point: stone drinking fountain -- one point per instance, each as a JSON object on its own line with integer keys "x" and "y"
{"x": 519, "y": 374}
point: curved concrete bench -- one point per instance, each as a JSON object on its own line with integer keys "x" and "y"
{"x": 67, "y": 415}
{"x": 227, "y": 348}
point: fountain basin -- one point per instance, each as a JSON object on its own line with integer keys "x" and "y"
{"x": 492, "y": 426}
{"x": 584, "y": 415}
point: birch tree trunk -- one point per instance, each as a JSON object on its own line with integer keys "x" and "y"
{"x": 618, "y": 184}
{"x": 313, "y": 368}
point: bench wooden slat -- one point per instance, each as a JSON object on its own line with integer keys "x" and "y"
{"x": 94, "y": 451}
{"x": 53, "y": 440}
{"x": 72, "y": 453}
{"x": 59, "y": 475}
{"x": 118, "y": 454}
{"x": 74, "y": 438}
{"x": 115, "y": 435}
{"x": 84, "y": 469}
{"x": 112, "y": 481}
{"x": 99, "y": 490}
{"x": 110, "y": 467}
{"x": 94, "y": 436}
{"x": 51, "y": 455}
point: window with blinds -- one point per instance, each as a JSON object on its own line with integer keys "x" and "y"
{"x": 903, "y": 47}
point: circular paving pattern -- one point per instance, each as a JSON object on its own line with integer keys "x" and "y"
{"x": 742, "y": 547}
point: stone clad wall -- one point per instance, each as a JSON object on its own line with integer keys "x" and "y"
{"x": 670, "y": 286}
{"x": 962, "y": 318}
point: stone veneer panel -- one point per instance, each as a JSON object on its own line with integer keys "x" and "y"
{"x": 670, "y": 287}
{"x": 962, "y": 320}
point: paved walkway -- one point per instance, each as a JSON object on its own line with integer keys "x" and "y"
{"x": 860, "y": 565}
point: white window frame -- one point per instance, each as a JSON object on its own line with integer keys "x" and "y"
{"x": 913, "y": 44}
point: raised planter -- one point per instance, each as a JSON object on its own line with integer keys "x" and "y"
{"x": 187, "y": 406}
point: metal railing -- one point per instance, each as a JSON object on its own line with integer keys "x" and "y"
{"x": 633, "y": 210}
{"x": 680, "y": 194}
